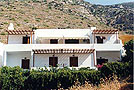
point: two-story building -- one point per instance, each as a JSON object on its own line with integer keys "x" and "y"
{"x": 62, "y": 47}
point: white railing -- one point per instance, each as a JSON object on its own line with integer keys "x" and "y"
{"x": 29, "y": 47}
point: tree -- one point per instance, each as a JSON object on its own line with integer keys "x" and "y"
{"x": 129, "y": 52}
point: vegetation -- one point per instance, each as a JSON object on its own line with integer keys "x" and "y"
{"x": 129, "y": 52}
{"x": 16, "y": 78}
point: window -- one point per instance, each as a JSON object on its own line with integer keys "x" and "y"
{"x": 86, "y": 41}
{"x": 100, "y": 39}
{"x": 72, "y": 41}
{"x": 73, "y": 61}
{"x": 53, "y": 61}
{"x": 26, "y": 40}
{"x": 54, "y": 41}
{"x": 25, "y": 63}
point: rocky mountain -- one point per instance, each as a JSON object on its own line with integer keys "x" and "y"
{"x": 31, "y": 14}
{"x": 119, "y": 16}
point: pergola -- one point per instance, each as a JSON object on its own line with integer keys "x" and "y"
{"x": 62, "y": 51}
{"x": 104, "y": 32}
{"x": 20, "y": 32}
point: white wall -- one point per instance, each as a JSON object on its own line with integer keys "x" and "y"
{"x": 110, "y": 55}
{"x": 110, "y": 38}
{"x": 1, "y": 54}
{"x": 84, "y": 60}
{"x": 15, "y": 58}
{"x": 17, "y": 39}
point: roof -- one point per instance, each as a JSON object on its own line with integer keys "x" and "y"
{"x": 20, "y": 32}
{"x": 64, "y": 51}
{"x": 60, "y": 33}
{"x": 104, "y": 31}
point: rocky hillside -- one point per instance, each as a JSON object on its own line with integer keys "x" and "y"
{"x": 31, "y": 14}
{"x": 46, "y": 14}
{"x": 119, "y": 16}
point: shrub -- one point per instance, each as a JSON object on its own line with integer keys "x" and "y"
{"x": 11, "y": 78}
{"x": 116, "y": 68}
{"x": 16, "y": 78}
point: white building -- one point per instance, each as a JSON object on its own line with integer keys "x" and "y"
{"x": 62, "y": 47}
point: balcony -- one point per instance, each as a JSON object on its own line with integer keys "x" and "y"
{"x": 29, "y": 47}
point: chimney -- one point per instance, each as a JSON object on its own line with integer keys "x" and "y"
{"x": 11, "y": 26}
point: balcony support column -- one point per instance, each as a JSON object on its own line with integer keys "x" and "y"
{"x": 33, "y": 59}
{"x": 31, "y": 37}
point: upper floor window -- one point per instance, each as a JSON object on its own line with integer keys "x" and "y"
{"x": 87, "y": 41}
{"x": 54, "y": 41}
{"x": 26, "y": 40}
{"x": 100, "y": 39}
{"x": 72, "y": 41}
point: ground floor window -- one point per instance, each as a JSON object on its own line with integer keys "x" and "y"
{"x": 101, "y": 61}
{"x": 53, "y": 61}
{"x": 73, "y": 61}
{"x": 25, "y": 63}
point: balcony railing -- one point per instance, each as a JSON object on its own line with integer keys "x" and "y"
{"x": 30, "y": 47}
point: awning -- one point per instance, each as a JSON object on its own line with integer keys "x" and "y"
{"x": 104, "y": 31}
{"x": 20, "y": 32}
{"x": 63, "y": 37}
{"x": 63, "y": 51}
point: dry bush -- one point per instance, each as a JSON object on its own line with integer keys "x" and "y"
{"x": 107, "y": 84}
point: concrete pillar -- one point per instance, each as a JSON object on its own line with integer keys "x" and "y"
{"x": 5, "y": 58}
{"x": 31, "y": 61}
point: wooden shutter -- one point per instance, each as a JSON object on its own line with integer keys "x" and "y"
{"x": 26, "y": 40}
{"x": 73, "y": 61}
{"x": 53, "y": 61}
{"x": 25, "y": 63}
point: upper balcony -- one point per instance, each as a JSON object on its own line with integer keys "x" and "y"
{"x": 40, "y": 37}
{"x": 30, "y": 47}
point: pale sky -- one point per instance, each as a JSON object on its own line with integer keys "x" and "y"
{"x": 108, "y": 2}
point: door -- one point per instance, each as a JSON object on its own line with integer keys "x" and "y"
{"x": 53, "y": 61}
{"x": 25, "y": 63}
{"x": 26, "y": 40}
{"x": 73, "y": 61}
{"x": 99, "y": 39}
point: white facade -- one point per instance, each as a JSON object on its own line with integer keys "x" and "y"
{"x": 11, "y": 54}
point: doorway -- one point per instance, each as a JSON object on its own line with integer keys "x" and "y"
{"x": 26, "y": 40}
{"x": 53, "y": 61}
{"x": 100, "y": 39}
{"x": 25, "y": 63}
{"x": 73, "y": 61}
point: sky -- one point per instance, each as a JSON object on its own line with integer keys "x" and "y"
{"x": 108, "y": 2}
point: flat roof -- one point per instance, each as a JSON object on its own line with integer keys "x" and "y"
{"x": 60, "y": 33}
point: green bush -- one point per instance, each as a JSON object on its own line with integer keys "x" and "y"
{"x": 11, "y": 78}
{"x": 117, "y": 68}
{"x": 18, "y": 79}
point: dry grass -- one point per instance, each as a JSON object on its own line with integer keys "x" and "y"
{"x": 106, "y": 85}
{"x": 126, "y": 38}
{"x": 26, "y": 15}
